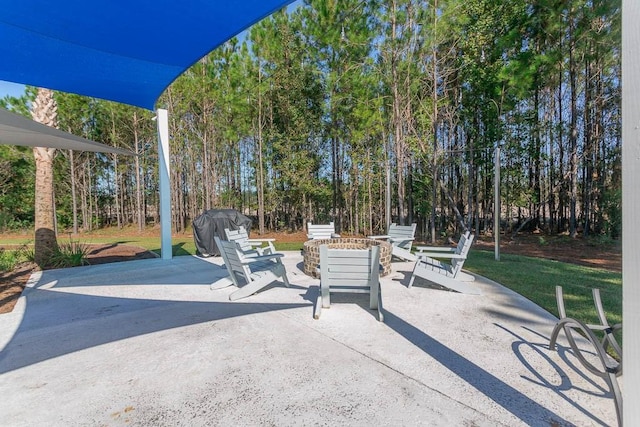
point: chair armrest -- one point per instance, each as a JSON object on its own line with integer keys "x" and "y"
{"x": 379, "y": 237}
{"x": 401, "y": 239}
{"x": 260, "y": 240}
{"x": 435, "y": 249}
{"x": 440, "y": 255}
{"x": 261, "y": 258}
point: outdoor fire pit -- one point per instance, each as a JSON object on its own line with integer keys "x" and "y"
{"x": 312, "y": 252}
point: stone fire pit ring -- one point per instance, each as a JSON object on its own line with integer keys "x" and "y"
{"x": 311, "y": 252}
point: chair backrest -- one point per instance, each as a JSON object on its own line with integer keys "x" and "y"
{"x": 463, "y": 237}
{"x": 241, "y": 237}
{"x": 352, "y": 270}
{"x": 320, "y": 231}
{"x": 232, "y": 257}
{"x": 402, "y": 235}
{"x": 457, "y": 263}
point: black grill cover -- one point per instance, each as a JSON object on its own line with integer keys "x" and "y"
{"x": 212, "y": 223}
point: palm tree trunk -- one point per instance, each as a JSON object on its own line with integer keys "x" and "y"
{"x": 44, "y": 110}
{"x": 45, "y": 240}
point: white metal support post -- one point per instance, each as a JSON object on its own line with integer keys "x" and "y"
{"x": 165, "y": 183}
{"x": 387, "y": 190}
{"x": 630, "y": 209}
{"x": 496, "y": 204}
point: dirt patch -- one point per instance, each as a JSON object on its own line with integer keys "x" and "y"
{"x": 102, "y": 254}
{"x": 561, "y": 248}
{"x": 11, "y": 285}
{"x": 587, "y": 252}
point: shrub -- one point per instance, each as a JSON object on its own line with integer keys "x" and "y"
{"x": 72, "y": 254}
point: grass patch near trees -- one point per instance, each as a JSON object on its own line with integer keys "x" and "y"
{"x": 181, "y": 244}
{"x": 10, "y": 258}
{"x": 288, "y": 246}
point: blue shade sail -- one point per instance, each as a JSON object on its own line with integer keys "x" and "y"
{"x": 123, "y": 51}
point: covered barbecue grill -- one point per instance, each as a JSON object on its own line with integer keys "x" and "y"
{"x": 212, "y": 223}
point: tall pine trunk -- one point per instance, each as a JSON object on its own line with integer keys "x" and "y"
{"x": 573, "y": 136}
{"x": 74, "y": 197}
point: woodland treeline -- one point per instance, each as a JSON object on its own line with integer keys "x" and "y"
{"x": 332, "y": 110}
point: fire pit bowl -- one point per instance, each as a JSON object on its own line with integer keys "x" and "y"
{"x": 311, "y": 252}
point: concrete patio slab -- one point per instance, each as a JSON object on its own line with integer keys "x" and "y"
{"x": 148, "y": 343}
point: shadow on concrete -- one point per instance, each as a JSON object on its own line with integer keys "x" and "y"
{"x": 97, "y": 320}
{"x": 541, "y": 349}
{"x": 512, "y": 400}
{"x": 69, "y": 310}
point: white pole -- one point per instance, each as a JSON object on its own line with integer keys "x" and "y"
{"x": 387, "y": 193}
{"x": 630, "y": 209}
{"x": 496, "y": 204}
{"x": 165, "y": 183}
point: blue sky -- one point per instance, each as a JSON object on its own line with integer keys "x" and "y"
{"x": 13, "y": 89}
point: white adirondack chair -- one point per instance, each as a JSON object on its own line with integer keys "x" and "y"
{"x": 352, "y": 271}
{"x": 250, "y": 247}
{"x": 422, "y": 252}
{"x": 321, "y": 231}
{"x": 248, "y": 273}
{"x": 445, "y": 274}
{"x": 445, "y": 249}
{"x": 401, "y": 238}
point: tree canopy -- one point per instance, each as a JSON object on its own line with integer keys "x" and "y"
{"x": 335, "y": 109}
